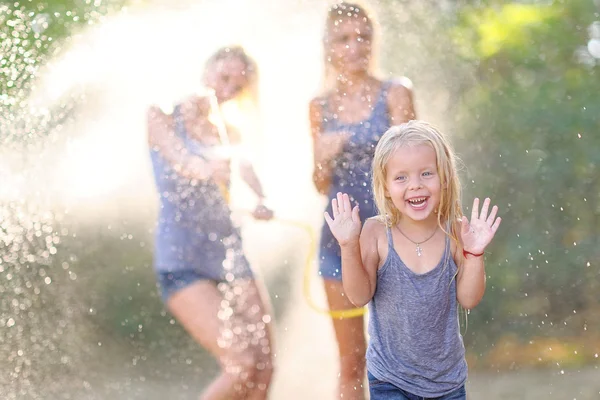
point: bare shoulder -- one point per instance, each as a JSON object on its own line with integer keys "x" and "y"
{"x": 156, "y": 118}
{"x": 373, "y": 232}
{"x": 317, "y": 104}
{"x": 374, "y": 225}
{"x": 400, "y": 88}
{"x": 400, "y": 100}
{"x": 154, "y": 113}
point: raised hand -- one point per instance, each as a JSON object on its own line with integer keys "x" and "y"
{"x": 345, "y": 224}
{"x": 478, "y": 233}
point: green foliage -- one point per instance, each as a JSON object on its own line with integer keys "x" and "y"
{"x": 30, "y": 33}
{"x": 529, "y": 132}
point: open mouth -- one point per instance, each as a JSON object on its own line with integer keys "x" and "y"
{"x": 417, "y": 203}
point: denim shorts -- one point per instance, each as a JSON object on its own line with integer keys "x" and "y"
{"x": 171, "y": 282}
{"x": 380, "y": 390}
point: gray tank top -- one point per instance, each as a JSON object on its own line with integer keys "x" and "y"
{"x": 415, "y": 340}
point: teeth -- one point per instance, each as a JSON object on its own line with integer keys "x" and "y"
{"x": 417, "y": 200}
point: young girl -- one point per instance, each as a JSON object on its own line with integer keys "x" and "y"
{"x": 346, "y": 121}
{"x": 413, "y": 264}
{"x": 205, "y": 279}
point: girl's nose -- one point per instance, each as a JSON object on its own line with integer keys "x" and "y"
{"x": 415, "y": 183}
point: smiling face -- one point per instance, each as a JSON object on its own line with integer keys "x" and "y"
{"x": 412, "y": 181}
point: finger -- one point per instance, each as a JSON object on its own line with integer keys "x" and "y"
{"x": 328, "y": 219}
{"x": 475, "y": 210}
{"x": 493, "y": 213}
{"x": 347, "y": 205}
{"x": 496, "y": 224}
{"x": 356, "y": 214}
{"x": 340, "y": 201}
{"x": 334, "y": 208}
{"x": 484, "y": 208}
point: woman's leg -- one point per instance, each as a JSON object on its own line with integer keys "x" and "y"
{"x": 351, "y": 341}
{"x": 232, "y": 322}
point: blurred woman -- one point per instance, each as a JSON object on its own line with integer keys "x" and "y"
{"x": 204, "y": 276}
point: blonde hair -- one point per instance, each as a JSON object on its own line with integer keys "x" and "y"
{"x": 339, "y": 12}
{"x": 413, "y": 133}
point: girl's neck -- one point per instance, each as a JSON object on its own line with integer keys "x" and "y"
{"x": 418, "y": 228}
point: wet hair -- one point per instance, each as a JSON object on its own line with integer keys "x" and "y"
{"x": 415, "y": 133}
{"x": 341, "y": 11}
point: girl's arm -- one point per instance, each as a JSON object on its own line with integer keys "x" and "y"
{"x": 360, "y": 258}
{"x": 470, "y": 282}
{"x": 474, "y": 238}
{"x": 162, "y": 138}
{"x": 400, "y": 102}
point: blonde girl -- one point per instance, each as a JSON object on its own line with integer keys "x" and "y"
{"x": 414, "y": 264}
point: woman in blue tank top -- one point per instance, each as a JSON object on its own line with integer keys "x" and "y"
{"x": 346, "y": 123}
{"x": 414, "y": 264}
{"x": 205, "y": 279}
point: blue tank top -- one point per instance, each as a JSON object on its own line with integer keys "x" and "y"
{"x": 352, "y": 167}
{"x": 188, "y": 207}
{"x": 415, "y": 340}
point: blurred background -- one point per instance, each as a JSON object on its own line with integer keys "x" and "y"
{"x": 516, "y": 85}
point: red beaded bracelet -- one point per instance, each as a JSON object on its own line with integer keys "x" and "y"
{"x": 473, "y": 254}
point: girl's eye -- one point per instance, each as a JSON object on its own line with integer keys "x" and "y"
{"x": 401, "y": 178}
{"x": 427, "y": 173}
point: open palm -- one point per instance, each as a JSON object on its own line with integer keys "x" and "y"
{"x": 480, "y": 231}
{"x": 345, "y": 224}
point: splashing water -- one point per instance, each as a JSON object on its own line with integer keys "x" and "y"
{"x": 75, "y": 154}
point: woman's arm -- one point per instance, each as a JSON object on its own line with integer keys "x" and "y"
{"x": 162, "y": 138}
{"x": 325, "y": 147}
{"x": 249, "y": 176}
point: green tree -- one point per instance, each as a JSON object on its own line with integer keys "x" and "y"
{"x": 529, "y": 128}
